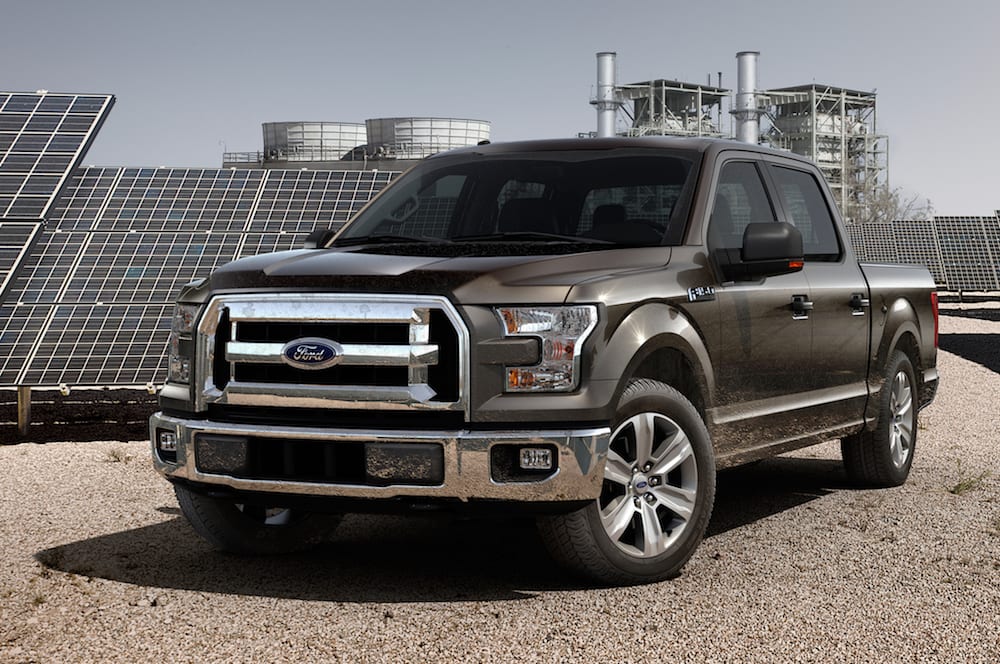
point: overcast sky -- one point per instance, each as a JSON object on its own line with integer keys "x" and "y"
{"x": 195, "y": 78}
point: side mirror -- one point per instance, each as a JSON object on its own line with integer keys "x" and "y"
{"x": 318, "y": 238}
{"x": 769, "y": 249}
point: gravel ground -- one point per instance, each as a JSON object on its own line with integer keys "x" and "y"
{"x": 98, "y": 564}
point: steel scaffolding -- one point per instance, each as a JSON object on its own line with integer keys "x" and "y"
{"x": 835, "y": 127}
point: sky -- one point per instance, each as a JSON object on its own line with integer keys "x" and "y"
{"x": 194, "y": 79}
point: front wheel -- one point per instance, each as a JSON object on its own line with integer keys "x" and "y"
{"x": 882, "y": 456}
{"x": 249, "y": 530}
{"x": 657, "y": 496}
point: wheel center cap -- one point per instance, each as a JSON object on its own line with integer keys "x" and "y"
{"x": 640, "y": 484}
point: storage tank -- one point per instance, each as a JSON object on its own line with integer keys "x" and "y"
{"x": 311, "y": 141}
{"x": 416, "y": 138}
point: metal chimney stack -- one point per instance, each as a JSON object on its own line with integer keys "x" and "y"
{"x": 607, "y": 98}
{"x": 746, "y": 114}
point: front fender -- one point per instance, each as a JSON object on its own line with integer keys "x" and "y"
{"x": 650, "y": 329}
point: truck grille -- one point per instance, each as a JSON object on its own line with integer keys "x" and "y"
{"x": 386, "y": 352}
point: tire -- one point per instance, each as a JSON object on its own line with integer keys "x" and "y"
{"x": 249, "y": 530}
{"x": 657, "y": 496}
{"x": 882, "y": 456}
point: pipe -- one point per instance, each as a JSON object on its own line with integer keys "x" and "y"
{"x": 746, "y": 113}
{"x": 606, "y": 102}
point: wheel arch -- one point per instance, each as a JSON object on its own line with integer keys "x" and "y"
{"x": 660, "y": 342}
{"x": 900, "y": 332}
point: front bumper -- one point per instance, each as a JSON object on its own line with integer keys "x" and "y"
{"x": 468, "y": 461}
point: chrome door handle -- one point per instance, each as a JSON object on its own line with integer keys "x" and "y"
{"x": 859, "y": 303}
{"x": 801, "y": 306}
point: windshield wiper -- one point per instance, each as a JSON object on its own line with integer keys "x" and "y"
{"x": 386, "y": 239}
{"x": 528, "y": 235}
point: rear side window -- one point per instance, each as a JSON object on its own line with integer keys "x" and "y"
{"x": 740, "y": 199}
{"x": 806, "y": 209}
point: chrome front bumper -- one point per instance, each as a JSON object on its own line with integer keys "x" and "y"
{"x": 467, "y": 461}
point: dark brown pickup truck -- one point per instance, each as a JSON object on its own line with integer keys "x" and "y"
{"x": 583, "y": 329}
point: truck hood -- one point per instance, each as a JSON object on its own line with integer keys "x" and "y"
{"x": 468, "y": 279}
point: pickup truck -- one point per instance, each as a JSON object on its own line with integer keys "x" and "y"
{"x": 581, "y": 330}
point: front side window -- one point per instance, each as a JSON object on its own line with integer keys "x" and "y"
{"x": 740, "y": 199}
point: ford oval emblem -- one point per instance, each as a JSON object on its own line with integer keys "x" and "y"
{"x": 311, "y": 353}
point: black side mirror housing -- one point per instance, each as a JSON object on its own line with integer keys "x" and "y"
{"x": 769, "y": 249}
{"x": 318, "y": 238}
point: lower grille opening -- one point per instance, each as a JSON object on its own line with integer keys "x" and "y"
{"x": 357, "y": 463}
{"x": 368, "y": 376}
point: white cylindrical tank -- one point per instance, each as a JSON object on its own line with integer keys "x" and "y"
{"x": 311, "y": 141}
{"x": 416, "y": 138}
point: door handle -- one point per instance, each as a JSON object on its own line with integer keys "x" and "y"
{"x": 859, "y": 303}
{"x": 801, "y": 306}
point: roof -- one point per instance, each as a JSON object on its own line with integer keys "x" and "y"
{"x": 823, "y": 88}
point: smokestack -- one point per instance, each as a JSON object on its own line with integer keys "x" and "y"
{"x": 606, "y": 102}
{"x": 746, "y": 114}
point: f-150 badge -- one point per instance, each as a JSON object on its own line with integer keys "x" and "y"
{"x": 701, "y": 294}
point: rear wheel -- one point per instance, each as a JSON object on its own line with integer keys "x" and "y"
{"x": 246, "y": 529}
{"x": 882, "y": 456}
{"x": 657, "y": 496}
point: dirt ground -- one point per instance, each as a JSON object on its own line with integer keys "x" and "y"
{"x": 96, "y": 564}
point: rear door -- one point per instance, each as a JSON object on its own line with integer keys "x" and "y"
{"x": 841, "y": 314}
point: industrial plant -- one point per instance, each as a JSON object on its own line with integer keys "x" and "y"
{"x": 833, "y": 126}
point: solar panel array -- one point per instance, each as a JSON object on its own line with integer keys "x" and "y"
{"x": 92, "y": 306}
{"x": 42, "y": 138}
{"x": 962, "y": 253}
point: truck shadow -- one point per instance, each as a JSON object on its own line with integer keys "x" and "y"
{"x": 416, "y": 558}
{"x": 983, "y": 349}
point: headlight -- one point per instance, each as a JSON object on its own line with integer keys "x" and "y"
{"x": 184, "y": 319}
{"x": 561, "y": 332}
{"x": 181, "y": 330}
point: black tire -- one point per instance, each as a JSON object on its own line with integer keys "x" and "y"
{"x": 248, "y": 530}
{"x": 882, "y": 455}
{"x": 657, "y": 515}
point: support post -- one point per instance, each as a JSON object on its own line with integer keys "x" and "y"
{"x": 23, "y": 409}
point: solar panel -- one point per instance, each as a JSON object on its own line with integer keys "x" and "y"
{"x": 917, "y": 244}
{"x": 123, "y": 241}
{"x": 83, "y": 199}
{"x": 145, "y": 267}
{"x": 16, "y": 240}
{"x": 299, "y": 201}
{"x": 101, "y": 345}
{"x": 20, "y": 328}
{"x": 177, "y": 199}
{"x": 991, "y": 226}
{"x": 874, "y": 243}
{"x": 262, "y": 243}
{"x": 42, "y": 137}
{"x": 965, "y": 253}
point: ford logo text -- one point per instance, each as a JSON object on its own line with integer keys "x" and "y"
{"x": 311, "y": 353}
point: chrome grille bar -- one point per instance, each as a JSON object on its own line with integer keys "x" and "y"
{"x": 246, "y": 380}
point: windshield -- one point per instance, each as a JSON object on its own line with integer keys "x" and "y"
{"x": 608, "y": 197}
